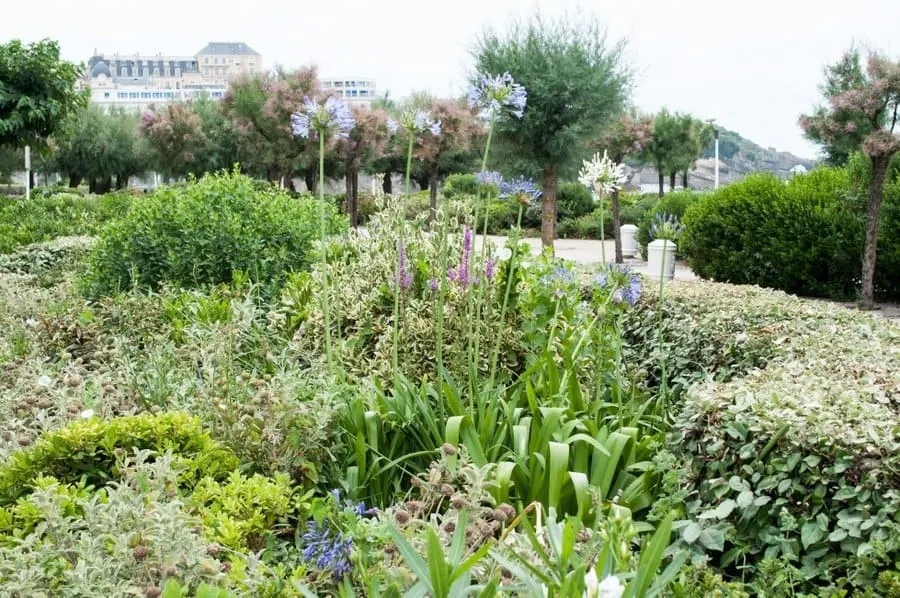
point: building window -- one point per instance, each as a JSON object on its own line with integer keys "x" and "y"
{"x": 145, "y": 95}
{"x": 206, "y": 60}
{"x": 215, "y": 61}
{"x": 133, "y": 95}
{"x": 353, "y": 93}
{"x": 363, "y": 92}
{"x": 338, "y": 83}
{"x": 252, "y": 70}
{"x": 106, "y": 94}
{"x": 122, "y": 95}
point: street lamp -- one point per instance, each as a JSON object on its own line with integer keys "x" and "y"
{"x": 711, "y": 122}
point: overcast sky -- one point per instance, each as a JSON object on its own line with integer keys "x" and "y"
{"x": 754, "y": 66}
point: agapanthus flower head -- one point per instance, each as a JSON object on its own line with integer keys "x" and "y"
{"x": 601, "y": 175}
{"x": 314, "y": 119}
{"x": 489, "y": 177}
{"x": 621, "y": 282}
{"x": 666, "y": 226}
{"x": 522, "y": 190}
{"x": 327, "y": 549}
{"x": 491, "y": 94}
{"x": 417, "y": 122}
{"x": 558, "y": 280}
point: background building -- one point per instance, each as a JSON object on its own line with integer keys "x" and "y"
{"x": 135, "y": 81}
{"x": 353, "y": 89}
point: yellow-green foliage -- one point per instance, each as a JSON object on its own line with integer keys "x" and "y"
{"x": 90, "y": 449}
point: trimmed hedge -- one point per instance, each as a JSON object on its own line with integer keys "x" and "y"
{"x": 792, "y": 450}
{"x": 805, "y": 236}
{"x": 203, "y": 232}
{"x": 61, "y": 214}
{"x": 89, "y": 449}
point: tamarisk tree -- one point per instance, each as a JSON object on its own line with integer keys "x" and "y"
{"x": 863, "y": 111}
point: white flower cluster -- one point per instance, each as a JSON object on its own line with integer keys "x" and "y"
{"x": 601, "y": 175}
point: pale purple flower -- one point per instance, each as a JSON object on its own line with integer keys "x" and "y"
{"x": 623, "y": 284}
{"x": 433, "y": 284}
{"x": 418, "y": 122}
{"x": 393, "y": 126}
{"x": 460, "y": 274}
{"x": 404, "y": 276}
{"x": 326, "y": 549}
{"x": 331, "y": 118}
{"x": 489, "y": 177}
{"x": 492, "y": 94}
{"x": 522, "y": 190}
{"x": 490, "y": 269}
{"x": 666, "y": 226}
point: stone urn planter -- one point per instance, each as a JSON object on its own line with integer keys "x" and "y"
{"x": 628, "y": 235}
{"x": 661, "y": 258}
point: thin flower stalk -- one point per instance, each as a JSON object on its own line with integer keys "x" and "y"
{"x": 603, "y": 177}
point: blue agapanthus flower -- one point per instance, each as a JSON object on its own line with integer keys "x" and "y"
{"x": 521, "y": 189}
{"x": 666, "y": 226}
{"x": 623, "y": 284}
{"x": 489, "y": 177}
{"x": 416, "y": 122}
{"x": 327, "y": 549}
{"x": 314, "y": 119}
{"x": 492, "y": 94}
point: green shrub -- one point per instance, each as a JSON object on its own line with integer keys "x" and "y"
{"x": 573, "y": 200}
{"x": 634, "y": 209}
{"x": 586, "y": 226}
{"x": 58, "y": 215}
{"x": 675, "y": 203}
{"x": 460, "y": 184}
{"x": 802, "y": 237}
{"x": 797, "y": 461}
{"x": 206, "y": 231}
{"x": 89, "y": 449}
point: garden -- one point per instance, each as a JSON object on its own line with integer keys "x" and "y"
{"x": 226, "y": 388}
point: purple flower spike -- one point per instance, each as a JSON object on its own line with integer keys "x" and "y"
{"x": 404, "y": 276}
{"x": 490, "y": 269}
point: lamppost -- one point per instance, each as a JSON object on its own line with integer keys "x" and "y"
{"x": 711, "y": 122}
{"x": 27, "y": 173}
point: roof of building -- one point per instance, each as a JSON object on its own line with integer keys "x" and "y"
{"x": 100, "y": 68}
{"x": 228, "y": 48}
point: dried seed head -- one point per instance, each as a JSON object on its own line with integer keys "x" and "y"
{"x": 415, "y": 506}
{"x": 508, "y": 510}
{"x": 402, "y": 516}
{"x": 140, "y": 552}
{"x": 448, "y": 449}
{"x": 24, "y": 440}
{"x": 450, "y": 527}
{"x": 213, "y": 549}
{"x": 459, "y": 501}
{"x": 152, "y": 592}
{"x": 447, "y": 490}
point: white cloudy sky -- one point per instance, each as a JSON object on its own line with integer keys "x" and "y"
{"x": 754, "y": 66}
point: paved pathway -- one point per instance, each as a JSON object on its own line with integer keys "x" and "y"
{"x": 587, "y": 251}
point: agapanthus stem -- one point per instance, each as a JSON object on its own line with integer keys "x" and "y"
{"x": 602, "y": 230}
{"x": 662, "y": 358}
{"x": 402, "y": 219}
{"x": 326, "y": 306}
{"x": 439, "y": 349}
{"x": 510, "y": 275}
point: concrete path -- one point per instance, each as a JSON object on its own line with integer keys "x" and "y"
{"x": 586, "y": 251}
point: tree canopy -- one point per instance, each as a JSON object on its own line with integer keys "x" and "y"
{"x": 577, "y": 83}
{"x": 37, "y": 92}
{"x": 862, "y": 113}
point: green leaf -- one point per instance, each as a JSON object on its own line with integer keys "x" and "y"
{"x": 810, "y": 533}
{"x": 713, "y": 539}
{"x": 745, "y": 499}
{"x": 725, "y": 508}
{"x": 837, "y": 535}
{"x": 691, "y": 532}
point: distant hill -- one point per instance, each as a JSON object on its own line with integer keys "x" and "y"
{"x": 738, "y": 157}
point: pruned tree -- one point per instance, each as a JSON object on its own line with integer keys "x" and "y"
{"x": 577, "y": 83}
{"x": 660, "y": 149}
{"x": 261, "y": 108}
{"x": 625, "y": 138}
{"x": 451, "y": 151}
{"x": 175, "y": 136}
{"x": 365, "y": 143}
{"x": 863, "y": 108}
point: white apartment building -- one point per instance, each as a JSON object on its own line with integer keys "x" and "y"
{"x": 354, "y": 90}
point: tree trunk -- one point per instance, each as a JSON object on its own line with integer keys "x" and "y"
{"x": 74, "y": 181}
{"x": 873, "y": 213}
{"x": 31, "y": 184}
{"x": 388, "y": 184}
{"x": 617, "y": 233}
{"x": 309, "y": 179}
{"x": 348, "y": 194}
{"x": 432, "y": 195}
{"x": 672, "y": 176}
{"x": 548, "y": 207}
{"x": 684, "y": 180}
{"x": 354, "y": 182}
{"x": 121, "y": 181}
{"x": 662, "y": 183}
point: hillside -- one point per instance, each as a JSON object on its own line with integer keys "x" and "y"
{"x": 738, "y": 157}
